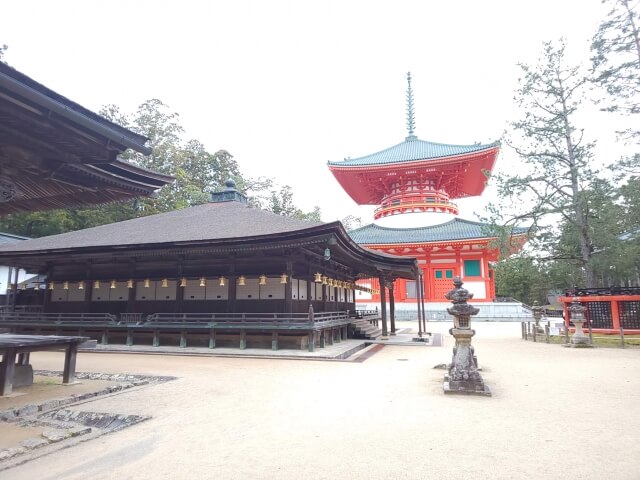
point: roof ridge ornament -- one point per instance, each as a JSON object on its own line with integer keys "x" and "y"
{"x": 411, "y": 121}
{"x": 229, "y": 194}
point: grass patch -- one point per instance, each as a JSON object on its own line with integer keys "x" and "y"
{"x": 610, "y": 341}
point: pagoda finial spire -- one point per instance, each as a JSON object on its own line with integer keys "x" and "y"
{"x": 411, "y": 121}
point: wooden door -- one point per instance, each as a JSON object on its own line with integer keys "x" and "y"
{"x": 441, "y": 280}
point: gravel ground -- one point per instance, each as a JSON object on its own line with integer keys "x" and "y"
{"x": 555, "y": 413}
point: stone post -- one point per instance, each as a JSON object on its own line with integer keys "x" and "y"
{"x": 463, "y": 376}
{"x": 576, "y": 315}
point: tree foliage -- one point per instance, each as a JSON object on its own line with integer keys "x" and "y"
{"x": 556, "y": 158}
{"x": 616, "y": 57}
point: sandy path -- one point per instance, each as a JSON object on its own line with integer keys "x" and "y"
{"x": 386, "y": 418}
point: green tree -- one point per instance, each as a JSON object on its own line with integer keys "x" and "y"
{"x": 616, "y": 58}
{"x": 522, "y": 278}
{"x": 556, "y": 159}
{"x": 281, "y": 202}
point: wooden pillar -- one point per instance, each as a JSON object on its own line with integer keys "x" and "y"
{"x": 309, "y": 282}
{"x": 325, "y": 294}
{"x": 485, "y": 274}
{"x": 424, "y": 317}
{"x": 243, "y": 339}
{"x": 392, "y": 308}
{"x": 7, "y": 369}
{"x": 212, "y": 338}
{"x": 323, "y": 338}
{"x": 179, "y": 303}
{"x": 274, "y": 340}
{"x": 231, "y": 302}
{"x": 14, "y": 289}
{"x": 418, "y": 296}
{"x": 288, "y": 291}
{"x": 88, "y": 289}
{"x": 46, "y": 295}
{"x": 383, "y": 306}
{"x": 131, "y": 299}
{"x": 70, "y": 355}
{"x": 312, "y": 341}
{"x": 9, "y": 286}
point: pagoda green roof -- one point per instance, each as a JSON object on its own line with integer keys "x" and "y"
{"x": 414, "y": 149}
{"x": 453, "y": 230}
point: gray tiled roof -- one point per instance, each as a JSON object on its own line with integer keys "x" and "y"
{"x": 210, "y": 221}
{"x": 456, "y": 229}
{"x": 413, "y": 149}
{"x": 10, "y": 238}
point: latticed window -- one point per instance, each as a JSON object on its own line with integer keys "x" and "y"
{"x": 629, "y": 314}
{"x": 599, "y": 314}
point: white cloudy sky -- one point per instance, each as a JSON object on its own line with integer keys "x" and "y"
{"x": 287, "y": 85}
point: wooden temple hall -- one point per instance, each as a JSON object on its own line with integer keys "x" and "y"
{"x": 219, "y": 274}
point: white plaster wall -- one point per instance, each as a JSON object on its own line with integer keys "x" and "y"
{"x": 477, "y": 288}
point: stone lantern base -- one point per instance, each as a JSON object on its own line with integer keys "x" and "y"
{"x": 463, "y": 376}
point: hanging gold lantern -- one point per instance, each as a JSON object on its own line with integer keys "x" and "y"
{"x": 262, "y": 280}
{"x": 324, "y": 280}
{"x": 165, "y": 283}
{"x": 24, "y": 286}
{"x": 96, "y": 285}
{"x": 130, "y": 283}
{"x": 183, "y": 282}
{"x": 113, "y": 284}
{"x": 203, "y": 282}
{"x": 242, "y": 281}
{"x": 283, "y": 278}
{"x": 147, "y": 283}
{"x": 81, "y": 285}
{"x": 223, "y": 281}
{"x": 51, "y": 285}
{"x": 317, "y": 277}
{"x": 36, "y": 285}
{"x": 65, "y": 285}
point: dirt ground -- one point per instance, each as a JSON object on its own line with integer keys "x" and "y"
{"x": 555, "y": 413}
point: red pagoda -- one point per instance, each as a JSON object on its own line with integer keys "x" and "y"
{"x": 423, "y": 178}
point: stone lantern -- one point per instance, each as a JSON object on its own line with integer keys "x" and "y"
{"x": 576, "y": 315}
{"x": 537, "y": 311}
{"x": 463, "y": 376}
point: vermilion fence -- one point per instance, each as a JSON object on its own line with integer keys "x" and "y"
{"x": 608, "y": 309}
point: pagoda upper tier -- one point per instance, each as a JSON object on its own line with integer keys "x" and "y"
{"x": 416, "y": 176}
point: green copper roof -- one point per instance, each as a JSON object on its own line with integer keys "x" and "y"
{"x": 413, "y": 149}
{"x": 456, "y": 229}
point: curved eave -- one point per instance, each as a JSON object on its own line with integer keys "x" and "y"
{"x": 412, "y": 150}
{"x": 466, "y": 172}
{"x": 398, "y": 265}
{"x": 457, "y": 241}
{"x": 48, "y": 102}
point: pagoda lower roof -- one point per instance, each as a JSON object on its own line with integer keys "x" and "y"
{"x": 413, "y": 149}
{"x": 453, "y": 230}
